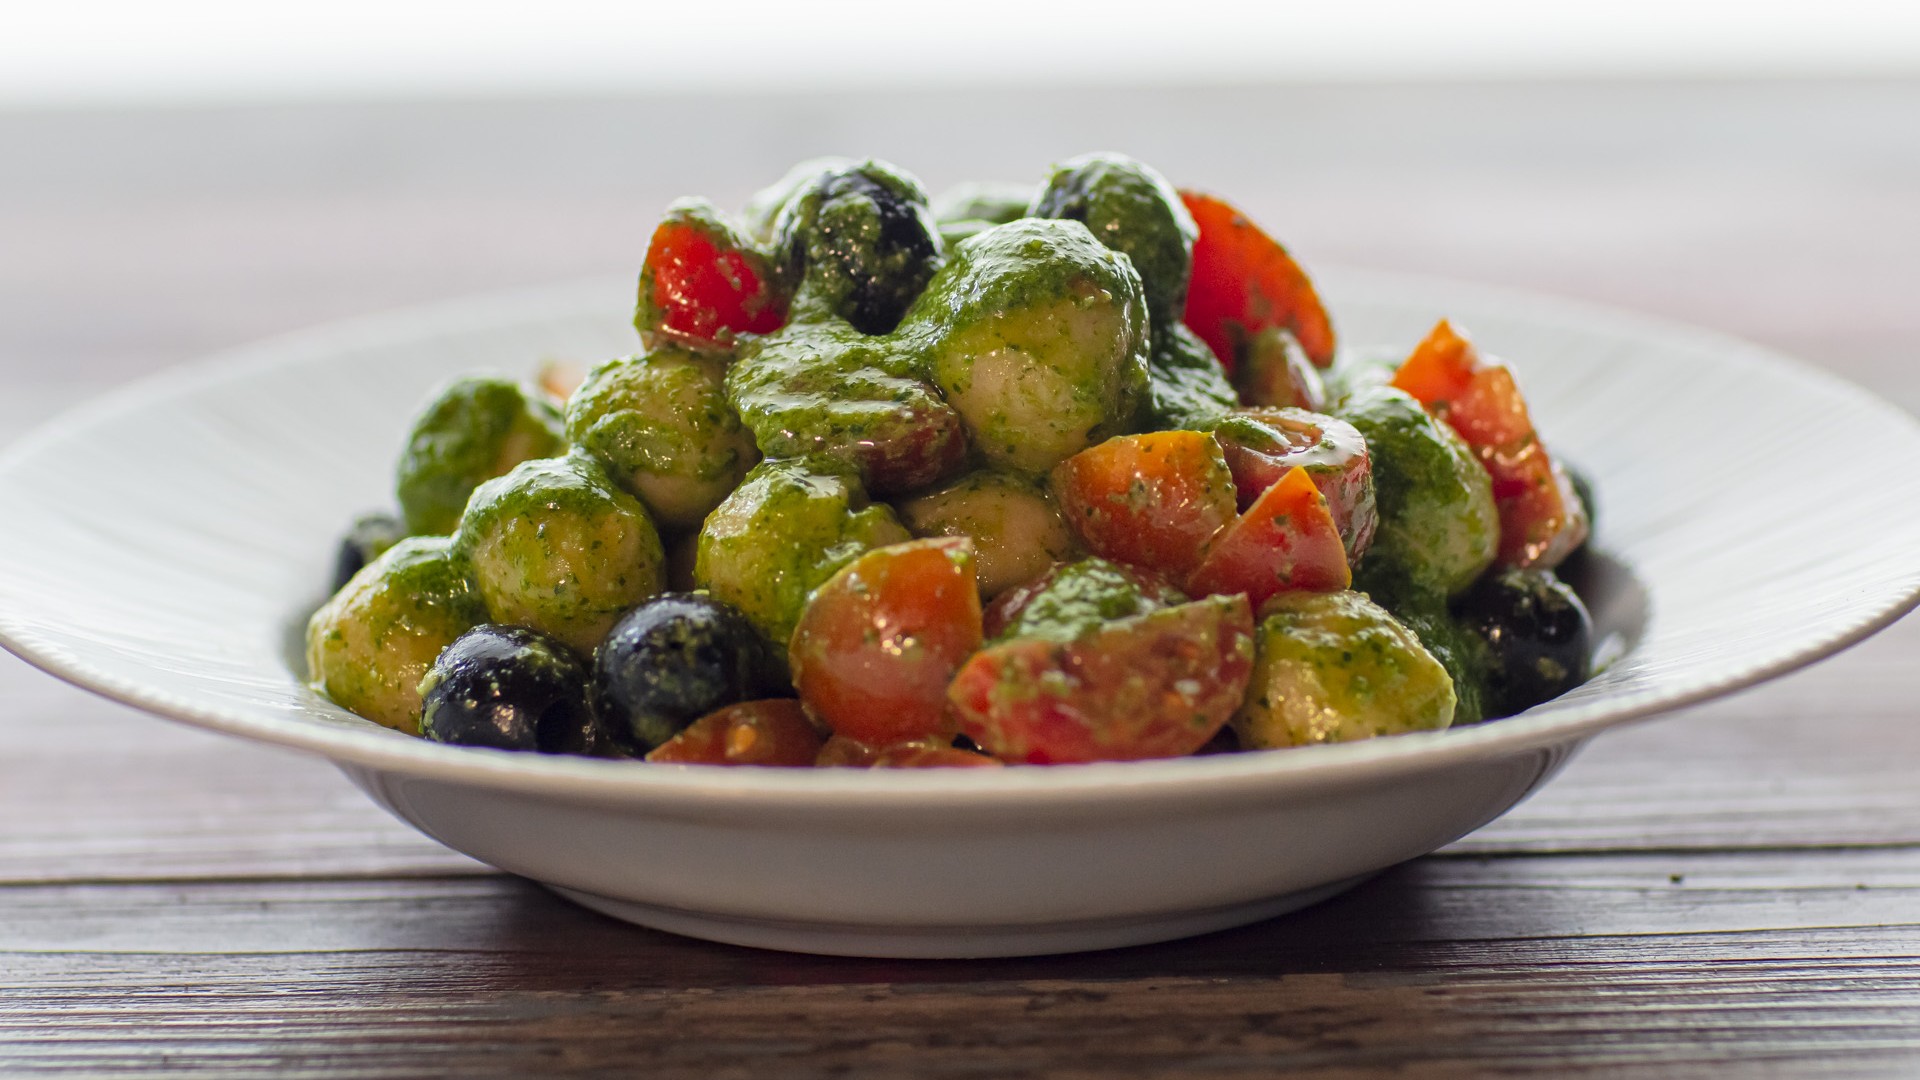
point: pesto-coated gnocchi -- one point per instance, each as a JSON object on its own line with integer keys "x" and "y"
{"x": 1037, "y": 335}
{"x": 1015, "y": 524}
{"x": 369, "y": 646}
{"x": 555, "y": 546}
{"x": 782, "y": 533}
{"x": 474, "y": 429}
{"x": 660, "y": 424}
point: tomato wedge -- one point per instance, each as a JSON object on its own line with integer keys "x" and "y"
{"x": 1262, "y": 445}
{"x": 703, "y": 282}
{"x": 879, "y": 642}
{"x": 1154, "y": 685}
{"x": 1151, "y": 500}
{"x": 1245, "y": 282}
{"x": 1286, "y": 540}
{"x": 774, "y": 731}
{"x": 1541, "y": 517}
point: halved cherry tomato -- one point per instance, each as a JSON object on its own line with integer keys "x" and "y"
{"x": 1154, "y": 685}
{"x": 1541, "y": 518}
{"x": 1261, "y": 445}
{"x": 703, "y": 282}
{"x": 774, "y": 731}
{"x": 879, "y": 642}
{"x": 930, "y": 754}
{"x": 1244, "y": 282}
{"x": 1150, "y": 500}
{"x": 1286, "y": 540}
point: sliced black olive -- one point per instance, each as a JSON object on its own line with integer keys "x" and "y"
{"x": 674, "y": 659}
{"x": 510, "y": 688}
{"x": 862, "y": 244}
{"x": 1538, "y": 634}
{"x": 370, "y": 536}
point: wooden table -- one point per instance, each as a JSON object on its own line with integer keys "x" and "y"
{"x": 1731, "y": 891}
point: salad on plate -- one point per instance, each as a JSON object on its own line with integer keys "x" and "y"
{"x": 1023, "y": 475}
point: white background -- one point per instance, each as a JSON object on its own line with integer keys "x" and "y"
{"x": 84, "y": 52}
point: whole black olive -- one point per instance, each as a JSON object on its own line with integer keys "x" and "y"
{"x": 1538, "y": 635}
{"x": 862, "y": 244}
{"x": 510, "y": 688}
{"x": 370, "y": 536}
{"x": 674, "y": 659}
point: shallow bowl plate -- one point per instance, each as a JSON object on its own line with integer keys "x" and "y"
{"x": 161, "y": 545}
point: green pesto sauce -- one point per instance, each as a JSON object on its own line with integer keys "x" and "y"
{"x": 1083, "y": 597}
{"x": 1336, "y": 667}
{"x": 782, "y": 533}
{"x": 1037, "y": 336}
{"x": 825, "y": 389}
{"x": 1131, "y": 208}
{"x": 661, "y": 424}
{"x": 1438, "y": 525}
{"x": 474, "y": 429}
{"x": 763, "y": 208}
{"x": 556, "y": 546}
{"x": 369, "y": 644}
{"x": 1190, "y": 391}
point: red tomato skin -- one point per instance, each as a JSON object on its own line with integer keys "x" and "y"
{"x": 1332, "y": 451}
{"x": 1154, "y": 685}
{"x": 703, "y": 282}
{"x": 1150, "y": 500}
{"x": 877, "y": 644}
{"x": 1541, "y": 518}
{"x": 1286, "y": 540}
{"x": 1245, "y": 282}
{"x": 774, "y": 731}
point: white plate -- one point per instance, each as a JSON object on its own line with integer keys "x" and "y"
{"x": 162, "y": 546}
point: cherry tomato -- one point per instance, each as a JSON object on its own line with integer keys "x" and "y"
{"x": 1151, "y": 500}
{"x": 1541, "y": 518}
{"x": 1244, "y": 282}
{"x": 773, "y": 731}
{"x": 703, "y": 282}
{"x": 1262, "y": 444}
{"x": 1153, "y": 685}
{"x": 1286, "y": 540}
{"x": 878, "y": 643}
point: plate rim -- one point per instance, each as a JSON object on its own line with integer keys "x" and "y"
{"x": 1097, "y": 787}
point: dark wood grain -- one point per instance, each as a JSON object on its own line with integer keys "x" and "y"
{"x": 1547, "y": 962}
{"x": 1734, "y": 890}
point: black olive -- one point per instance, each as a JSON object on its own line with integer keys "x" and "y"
{"x": 510, "y": 688}
{"x": 1538, "y": 635}
{"x": 862, "y": 244}
{"x": 370, "y": 536}
{"x": 674, "y": 659}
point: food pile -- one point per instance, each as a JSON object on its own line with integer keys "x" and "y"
{"x": 1019, "y": 476}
